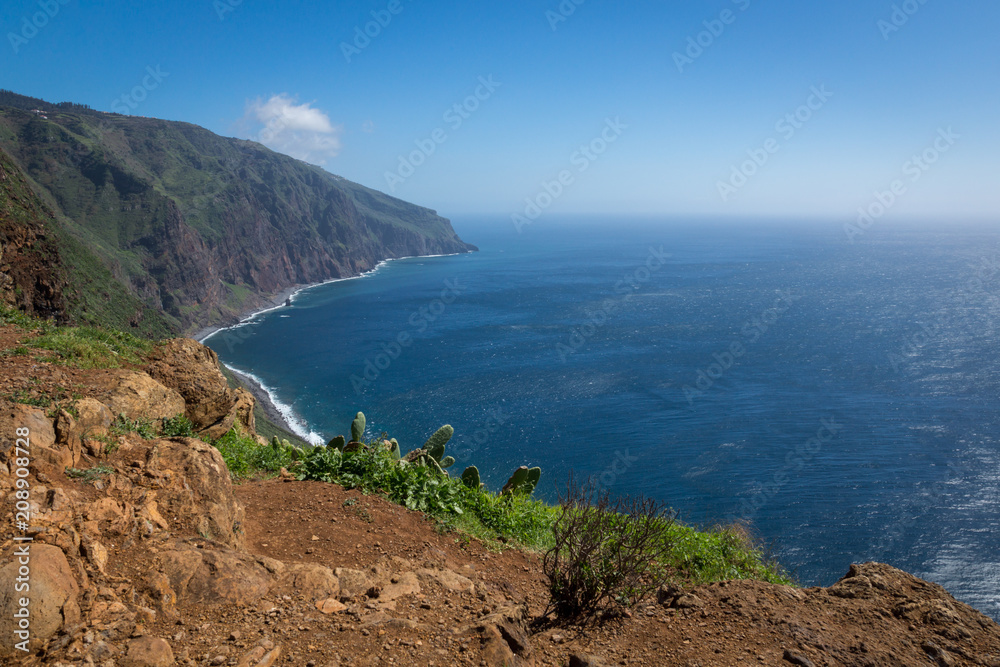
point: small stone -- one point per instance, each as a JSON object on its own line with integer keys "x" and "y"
{"x": 582, "y": 660}
{"x": 235, "y": 635}
{"x": 149, "y": 652}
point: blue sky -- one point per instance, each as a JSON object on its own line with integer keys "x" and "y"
{"x": 680, "y": 135}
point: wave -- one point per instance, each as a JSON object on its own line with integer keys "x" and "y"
{"x": 298, "y": 426}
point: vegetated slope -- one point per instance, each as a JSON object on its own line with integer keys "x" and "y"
{"x": 198, "y": 227}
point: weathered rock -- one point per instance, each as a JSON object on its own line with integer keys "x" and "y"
{"x": 448, "y": 579}
{"x": 92, "y": 419}
{"x": 330, "y": 606}
{"x": 193, "y": 371}
{"x": 44, "y": 449}
{"x": 149, "y": 652}
{"x": 689, "y": 601}
{"x": 505, "y": 638}
{"x": 198, "y": 491}
{"x": 797, "y": 659}
{"x": 313, "y": 581}
{"x": 53, "y": 595}
{"x": 584, "y": 660}
{"x": 138, "y": 396}
{"x": 213, "y": 576}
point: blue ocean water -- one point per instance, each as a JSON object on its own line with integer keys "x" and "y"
{"x": 842, "y": 397}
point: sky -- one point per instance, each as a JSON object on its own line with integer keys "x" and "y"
{"x": 736, "y": 108}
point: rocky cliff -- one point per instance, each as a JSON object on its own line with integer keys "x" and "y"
{"x": 196, "y": 228}
{"x": 145, "y": 554}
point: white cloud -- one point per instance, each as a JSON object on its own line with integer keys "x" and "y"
{"x": 298, "y": 130}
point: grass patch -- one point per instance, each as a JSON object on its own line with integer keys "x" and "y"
{"x": 721, "y": 553}
{"x": 248, "y": 459}
{"x": 89, "y": 347}
{"x": 178, "y": 427}
{"x": 144, "y": 427}
{"x": 90, "y": 475}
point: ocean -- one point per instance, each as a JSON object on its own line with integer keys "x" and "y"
{"x": 839, "y": 394}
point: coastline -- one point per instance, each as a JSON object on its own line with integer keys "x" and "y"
{"x": 280, "y": 299}
{"x": 277, "y": 412}
{"x": 271, "y": 411}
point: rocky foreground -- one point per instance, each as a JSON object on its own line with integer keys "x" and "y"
{"x": 161, "y": 560}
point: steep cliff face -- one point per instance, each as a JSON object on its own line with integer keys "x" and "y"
{"x": 198, "y": 227}
{"x": 32, "y": 277}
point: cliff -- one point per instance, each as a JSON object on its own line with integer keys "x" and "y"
{"x": 145, "y": 553}
{"x": 182, "y": 228}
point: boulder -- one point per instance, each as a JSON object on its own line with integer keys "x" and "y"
{"x": 149, "y": 652}
{"x": 52, "y": 594}
{"x": 92, "y": 419}
{"x": 139, "y": 396}
{"x": 210, "y": 576}
{"x": 315, "y": 582}
{"x": 198, "y": 491}
{"x": 193, "y": 371}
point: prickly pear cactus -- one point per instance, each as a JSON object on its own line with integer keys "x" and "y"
{"x": 358, "y": 427}
{"x": 337, "y": 443}
{"x": 519, "y": 477}
{"x": 471, "y": 477}
{"x": 394, "y": 449}
{"x": 436, "y": 443}
{"x": 447, "y": 461}
{"x": 534, "y": 474}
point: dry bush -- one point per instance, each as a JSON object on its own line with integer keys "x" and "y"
{"x": 607, "y": 552}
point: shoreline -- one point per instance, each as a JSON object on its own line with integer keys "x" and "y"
{"x": 277, "y": 412}
{"x": 281, "y": 299}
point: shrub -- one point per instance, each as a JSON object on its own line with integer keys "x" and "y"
{"x": 606, "y": 551}
{"x": 144, "y": 427}
{"x": 245, "y": 457}
{"x": 178, "y": 427}
{"x": 90, "y": 475}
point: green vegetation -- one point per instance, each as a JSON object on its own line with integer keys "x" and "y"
{"x": 686, "y": 554}
{"x": 90, "y": 475}
{"x": 89, "y": 347}
{"x": 178, "y": 427}
{"x": 246, "y": 458}
{"x": 144, "y": 427}
{"x": 138, "y": 215}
